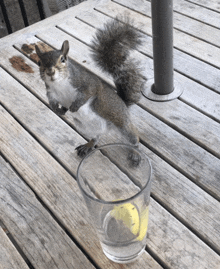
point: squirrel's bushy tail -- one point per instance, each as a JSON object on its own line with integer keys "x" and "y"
{"x": 111, "y": 48}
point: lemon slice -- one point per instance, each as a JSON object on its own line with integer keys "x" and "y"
{"x": 144, "y": 224}
{"x": 129, "y": 215}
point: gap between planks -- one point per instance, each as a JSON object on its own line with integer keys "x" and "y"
{"x": 212, "y": 5}
{"x": 184, "y": 63}
{"x": 57, "y": 190}
{"x": 10, "y": 257}
{"x": 145, "y": 104}
{"x": 62, "y": 152}
{"x": 182, "y": 41}
{"x": 174, "y": 232}
{"x": 185, "y": 8}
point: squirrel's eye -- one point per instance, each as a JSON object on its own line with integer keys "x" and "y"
{"x": 62, "y": 59}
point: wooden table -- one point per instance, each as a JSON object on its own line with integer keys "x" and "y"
{"x": 43, "y": 217}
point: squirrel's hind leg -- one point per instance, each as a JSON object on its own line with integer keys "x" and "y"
{"x": 84, "y": 149}
{"x": 131, "y": 134}
{"x": 134, "y": 158}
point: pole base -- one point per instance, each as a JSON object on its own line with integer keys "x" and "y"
{"x": 178, "y": 90}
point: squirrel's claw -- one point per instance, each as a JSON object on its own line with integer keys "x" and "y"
{"x": 61, "y": 111}
{"x": 134, "y": 158}
{"x": 84, "y": 149}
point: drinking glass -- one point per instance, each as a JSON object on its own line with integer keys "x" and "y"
{"x": 115, "y": 181}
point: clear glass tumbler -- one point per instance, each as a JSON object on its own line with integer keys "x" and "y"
{"x": 115, "y": 181}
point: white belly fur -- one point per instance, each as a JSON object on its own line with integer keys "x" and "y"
{"x": 62, "y": 91}
{"x": 88, "y": 123}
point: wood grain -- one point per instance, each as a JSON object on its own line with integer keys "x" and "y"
{"x": 52, "y": 38}
{"x": 35, "y": 139}
{"x": 194, "y": 93}
{"x": 213, "y": 5}
{"x": 57, "y": 139}
{"x": 197, "y": 12}
{"x": 183, "y": 23}
{"x": 188, "y": 121}
{"x": 187, "y": 43}
{"x": 9, "y": 256}
{"x": 164, "y": 108}
{"x": 56, "y": 188}
{"x": 42, "y": 240}
{"x": 182, "y": 242}
{"x": 37, "y": 27}
{"x": 190, "y": 164}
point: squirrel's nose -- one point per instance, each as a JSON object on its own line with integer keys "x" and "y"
{"x": 50, "y": 71}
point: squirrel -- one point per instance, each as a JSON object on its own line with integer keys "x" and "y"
{"x": 95, "y": 106}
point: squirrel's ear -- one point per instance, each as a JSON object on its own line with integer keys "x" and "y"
{"x": 38, "y": 51}
{"x": 65, "y": 48}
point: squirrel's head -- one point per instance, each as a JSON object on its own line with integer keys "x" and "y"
{"x": 53, "y": 64}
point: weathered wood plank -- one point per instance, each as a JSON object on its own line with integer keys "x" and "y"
{"x": 197, "y": 70}
{"x": 85, "y": 34}
{"x": 184, "y": 244}
{"x": 42, "y": 240}
{"x": 187, "y": 8}
{"x": 183, "y": 154}
{"x": 196, "y": 95}
{"x": 33, "y": 163}
{"x": 199, "y": 97}
{"x": 185, "y": 200}
{"x": 197, "y": 12}
{"x": 51, "y": 21}
{"x": 214, "y": 5}
{"x": 9, "y": 256}
{"x": 188, "y": 121}
{"x": 27, "y": 77}
{"x": 180, "y": 22}
{"x": 182, "y": 41}
{"x": 57, "y": 189}
{"x": 61, "y": 139}
{"x": 80, "y": 54}
{"x": 212, "y": 187}
{"x": 52, "y": 38}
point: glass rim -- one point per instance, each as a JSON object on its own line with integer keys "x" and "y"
{"x": 119, "y": 201}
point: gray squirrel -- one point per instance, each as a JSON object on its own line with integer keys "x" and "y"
{"x": 95, "y": 105}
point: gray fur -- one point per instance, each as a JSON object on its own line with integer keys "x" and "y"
{"x": 77, "y": 90}
{"x": 111, "y": 51}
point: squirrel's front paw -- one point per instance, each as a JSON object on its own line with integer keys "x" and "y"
{"x": 83, "y": 150}
{"x": 134, "y": 158}
{"x": 62, "y": 111}
{"x": 55, "y": 107}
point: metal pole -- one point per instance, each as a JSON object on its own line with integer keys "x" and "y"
{"x": 162, "y": 27}
{"x": 161, "y": 88}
